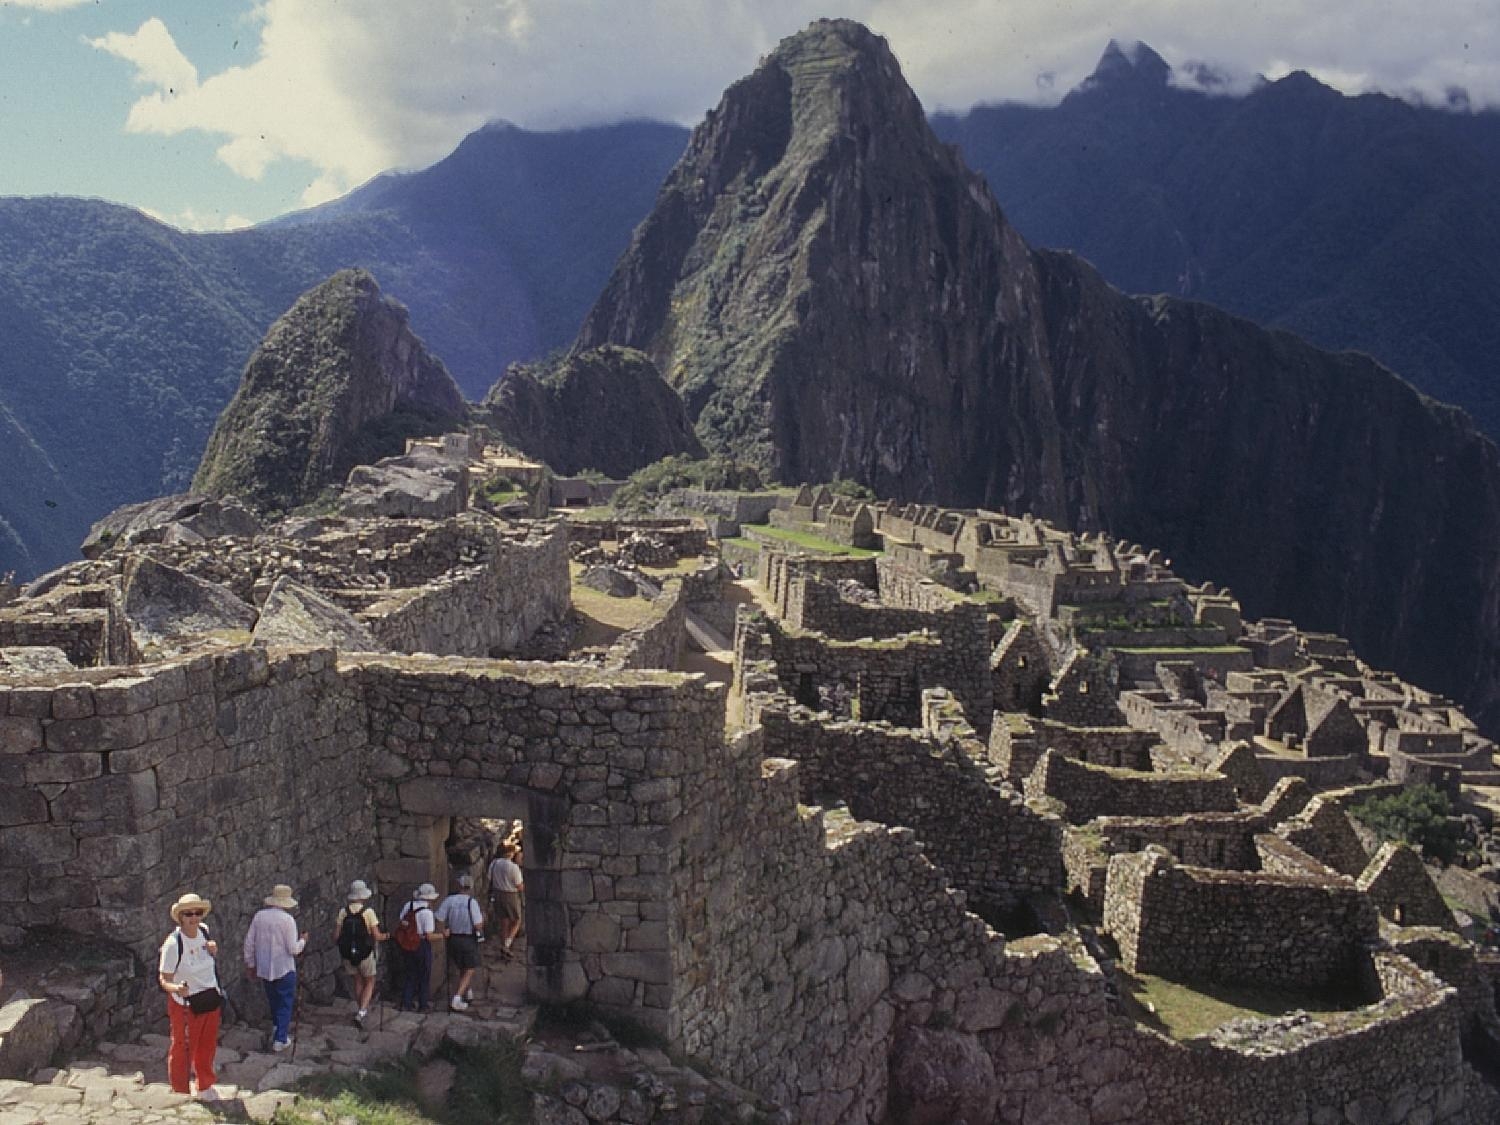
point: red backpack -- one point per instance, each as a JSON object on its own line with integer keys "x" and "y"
{"x": 408, "y": 937}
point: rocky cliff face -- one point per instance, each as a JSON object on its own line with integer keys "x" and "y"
{"x": 339, "y": 380}
{"x": 606, "y": 409}
{"x": 835, "y": 294}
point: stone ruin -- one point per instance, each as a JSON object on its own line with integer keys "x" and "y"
{"x": 905, "y": 866}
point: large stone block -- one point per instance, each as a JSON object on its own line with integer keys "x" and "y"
{"x": 21, "y": 806}
{"x": 595, "y": 932}
{"x": 461, "y": 796}
{"x": 29, "y": 845}
{"x": 19, "y": 735}
{"x": 114, "y": 732}
{"x": 652, "y": 968}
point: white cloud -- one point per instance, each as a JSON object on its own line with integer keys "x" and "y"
{"x": 44, "y": 5}
{"x": 360, "y": 86}
{"x": 190, "y": 219}
{"x": 157, "y": 60}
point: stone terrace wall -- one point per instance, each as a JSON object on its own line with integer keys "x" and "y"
{"x": 686, "y": 538}
{"x": 486, "y": 609}
{"x": 979, "y": 833}
{"x": 600, "y": 768}
{"x": 779, "y": 567}
{"x": 656, "y": 642}
{"x": 1220, "y": 840}
{"x": 1091, "y": 791}
{"x": 813, "y": 948}
{"x": 884, "y": 679}
{"x": 1194, "y": 924}
{"x": 85, "y": 622}
{"x": 224, "y": 775}
{"x": 816, "y": 606}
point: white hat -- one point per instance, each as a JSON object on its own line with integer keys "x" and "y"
{"x": 466, "y": 881}
{"x": 426, "y": 891}
{"x": 281, "y": 895}
{"x": 189, "y": 901}
{"x": 358, "y": 892}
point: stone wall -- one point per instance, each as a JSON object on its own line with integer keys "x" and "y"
{"x": 488, "y": 608}
{"x": 978, "y": 832}
{"x": 86, "y": 623}
{"x": 871, "y": 680}
{"x": 224, "y": 774}
{"x": 601, "y": 769}
{"x": 656, "y": 642}
{"x": 1194, "y": 924}
{"x": 962, "y": 627}
{"x": 1090, "y": 791}
{"x": 686, "y": 538}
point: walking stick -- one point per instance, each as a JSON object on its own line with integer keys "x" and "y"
{"x": 296, "y": 1010}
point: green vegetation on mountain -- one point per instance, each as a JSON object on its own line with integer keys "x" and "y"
{"x": 606, "y": 410}
{"x": 649, "y": 484}
{"x": 340, "y": 380}
{"x": 123, "y": 338}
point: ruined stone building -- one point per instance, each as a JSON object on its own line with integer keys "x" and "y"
{"x": 955, "y": 800}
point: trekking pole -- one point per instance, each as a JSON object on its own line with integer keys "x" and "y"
{"x": 296, "y": 1010}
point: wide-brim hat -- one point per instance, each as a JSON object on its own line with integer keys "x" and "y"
{"x": 427, "y": 892}
{"x": 190, "y": 901}
{"x": 359, "y": 892}
{"x": 281, "y": 895}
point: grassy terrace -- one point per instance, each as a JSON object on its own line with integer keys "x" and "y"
{"x": 803, "y": 539}
{"x": 1186, "y": 1013}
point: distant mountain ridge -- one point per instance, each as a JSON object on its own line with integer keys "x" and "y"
{"x": 1359, "y": 222}
{"x": 835, "y": 294}
{"x": 121, "y": 339}
{"x": 1364, "y": 223}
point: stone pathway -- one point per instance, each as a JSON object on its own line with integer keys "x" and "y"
{"x": 127, "y": 1082}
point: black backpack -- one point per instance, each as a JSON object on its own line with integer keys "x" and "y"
{"x": 355, "y": 941}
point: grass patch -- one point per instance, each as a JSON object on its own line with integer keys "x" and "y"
{"x": 1189, "y": 1012}
{"x": 487, "y": 1090}
{"x": 813, "y": 542}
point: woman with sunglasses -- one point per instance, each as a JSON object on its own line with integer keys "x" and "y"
{"x": 187, "y": 975}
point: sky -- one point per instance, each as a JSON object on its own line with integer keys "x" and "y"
{"x": 214, "y": 114}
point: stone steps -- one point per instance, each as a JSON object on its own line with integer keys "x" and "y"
{"x": 126, "y": 1082}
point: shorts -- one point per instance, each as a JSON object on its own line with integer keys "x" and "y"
{"x": 508, "y": 904}
{"x": 463, "y": 951}
{"x": 365, "y": 968}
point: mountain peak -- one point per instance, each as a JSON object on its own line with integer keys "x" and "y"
{"x": 1125, "y": 64}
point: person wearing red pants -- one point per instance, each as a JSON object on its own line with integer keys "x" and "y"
{"x": 187, "y": 975}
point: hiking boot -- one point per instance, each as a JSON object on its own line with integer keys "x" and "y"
{"x": 458, "y": 1004}
{"x": 208, "y": 1095}
{"x": 279, "y": 1047}
{"x": 360, "y": 1017}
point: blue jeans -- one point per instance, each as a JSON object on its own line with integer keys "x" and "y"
{"x": 280, "y": 996}
{"x": 416, "y": 976}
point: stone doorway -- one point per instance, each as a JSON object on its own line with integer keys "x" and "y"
{"x": 432, "y": 851}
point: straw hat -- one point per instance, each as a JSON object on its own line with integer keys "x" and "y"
{"x": 358, "y": 892}
{"x": 281, "y": 895}
{"x": 426, "y": 892}
{"x": 189, "y": 901}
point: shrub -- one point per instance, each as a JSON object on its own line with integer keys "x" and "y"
{"x": 1419, "y": 815}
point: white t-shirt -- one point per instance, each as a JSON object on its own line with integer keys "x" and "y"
{"x": 504, "y": 875}
{"x": 196, "y": 968}
{"x": 425, "y": 922}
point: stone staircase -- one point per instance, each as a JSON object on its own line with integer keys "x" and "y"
{"x": 126, "y": 1083}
